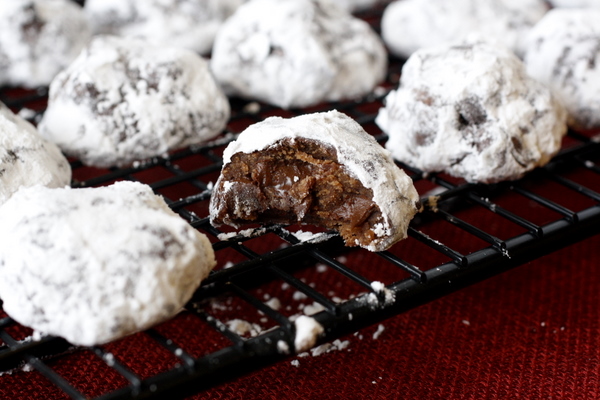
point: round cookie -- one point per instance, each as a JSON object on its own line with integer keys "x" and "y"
{"x": 38, "y": 38}
{"x": 26, "y": 159}
{"x": 472, "y": 111}
{"x": 123, "y": 100}
{"x": 409, "y": 25}
{"x": 563, "y": 52}
{"x": 297, "y": 53}
{"x": 191, "y": 24}
{"x": 93, "y": 265}
{"x": 321, "y": 169}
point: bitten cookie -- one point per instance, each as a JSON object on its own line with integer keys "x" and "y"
{"x": 191, "y": 24}
{"x": 297, "y": 53}
{"x": 38, "y": 38}
{"x": 321, "y": 169}
{"x": 472, "y": 111}
{"x": 93, "y": 265}
{"x": 123, "y": 100}
{"x": 563, "y": 52}
{"x": 26, "y": 159}
{"x": 409, "y": 25}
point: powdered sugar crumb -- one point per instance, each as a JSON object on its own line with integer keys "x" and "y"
{"x": 313, "y": 308}
{"x": 274, "y": 303}
{"x": 243, "y": 328}
{"x": 378, "y": 332}
{"x": 311, "y": 237}
{"x": 307, "y": 332}
{"x": 246, "y": 233}
{"x": 295, "y": 363}
{"x": 283, "y": 347}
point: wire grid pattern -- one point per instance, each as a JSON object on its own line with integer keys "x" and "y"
{"x": 252, "y": 263}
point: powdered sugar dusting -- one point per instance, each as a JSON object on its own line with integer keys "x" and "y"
{"x": 188, "y": 24}
{"x": 123, "y": 100}
{"x": 470, "y": 109}
{"x": 39, "y": 38}
{"x": 26, "y": 159}
{"x": 307, "y": 332}
{"x": 358, "y": 152}
{"x": 297, "y": 53}
{"x": 126, "y": 260}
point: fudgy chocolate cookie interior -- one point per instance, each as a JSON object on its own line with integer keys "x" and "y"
{"x": 297, "y": 181}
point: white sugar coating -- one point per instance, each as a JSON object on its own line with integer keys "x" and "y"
{"x": 358, "y": 152}
{"x": 38, "y": 38}
{"x": 563, "y": 53}
{"x": 575, "y": 3}
{"x": 93, "y": 265}
{"x": 409, "y": 25}
{"x": 307, "y": 333}
{"x": 27, "y": 159}
{"x": 191, "y": 24}
{"x": 297, "y": 53}
{"x": 472, "y": 111}
{"x": 123, "y": 100}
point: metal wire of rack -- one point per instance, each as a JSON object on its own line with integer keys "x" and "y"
{"x": 266, "y": 259}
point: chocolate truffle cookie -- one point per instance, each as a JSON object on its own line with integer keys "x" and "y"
{"x": 321, "y": 169}
{"x": 38, "y": 38}
{"x": 297, "y": 53}
{"x": 92, "y": 265}
{"x": 408, "y": 25}
{"x": 191, "y": 24}
{"x": 123, "y": 100}
{"x": 26, "y": 159}
{"x": 472, "y": 111}
{"x": 563, "y": 52}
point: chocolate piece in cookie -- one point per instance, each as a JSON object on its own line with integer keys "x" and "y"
{"x": 123, "y": 100}
{"x": 38, "y": 38}
{"x": 92, "y": 265}
{"x": 321, "y": 169}
{"x": 472, "y": 111}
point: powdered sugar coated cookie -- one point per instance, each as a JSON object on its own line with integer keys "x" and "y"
{"x": 191, "y": 24}
{"x": 563, "y": 52}
{"x": 408, "y": 25}
{"x": 124, "y": 100}
{"x": 296, "y": 53}
{"x": 472, "y": 111}
{"x": 38, "y": 38}
{"x": 320, "y": 168}
{"x": 26, "y": 159}
{"x": 92, "y": 265}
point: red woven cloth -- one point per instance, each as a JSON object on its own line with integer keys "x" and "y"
{"x": 530, "y": 333}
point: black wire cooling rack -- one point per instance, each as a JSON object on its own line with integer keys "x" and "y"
{"x": 447, "y": 249}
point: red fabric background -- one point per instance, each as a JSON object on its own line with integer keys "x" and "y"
{"x": 530, "y": 333}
